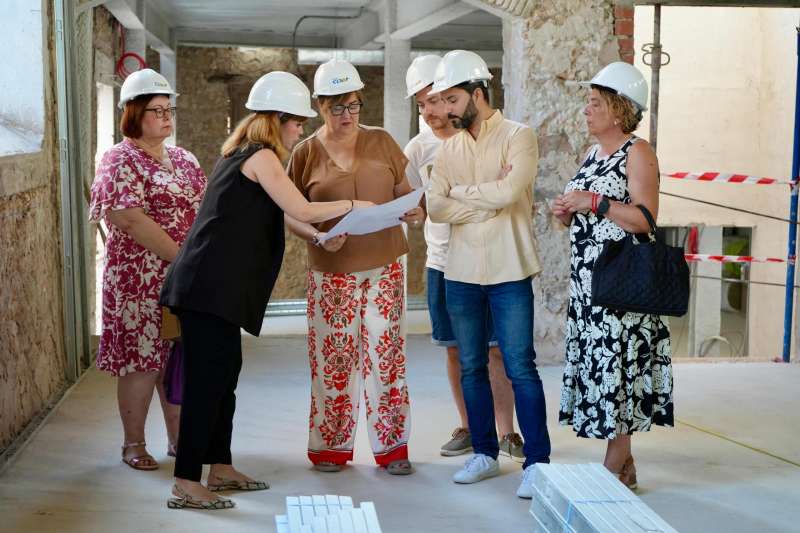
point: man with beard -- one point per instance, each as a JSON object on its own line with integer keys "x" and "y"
{"x": 421, "y": 152}
{"x": 491, "y": 263}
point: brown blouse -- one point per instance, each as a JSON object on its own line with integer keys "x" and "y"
{"x": 378, "y": 175}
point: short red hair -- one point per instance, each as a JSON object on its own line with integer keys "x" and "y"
{"x": 131, "y": 122}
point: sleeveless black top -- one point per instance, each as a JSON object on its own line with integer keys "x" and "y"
{"x": 232, "y": 256}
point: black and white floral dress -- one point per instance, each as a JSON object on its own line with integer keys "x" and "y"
{"x": 618, "y": 370}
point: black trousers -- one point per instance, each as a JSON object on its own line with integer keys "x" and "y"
{"x": 212, "y": 360}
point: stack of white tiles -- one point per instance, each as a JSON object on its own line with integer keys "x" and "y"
{"x": 588, "y": 499}
{"x": 327, "y": 514}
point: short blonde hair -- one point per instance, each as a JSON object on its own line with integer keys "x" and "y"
{"x": 257, "y": 129}
{"x": 625, "y": 111}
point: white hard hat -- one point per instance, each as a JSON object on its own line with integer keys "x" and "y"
{"x": 145, "y": 81}
{"x": 624, "y": 79}
{"x": 459, "y": 66}
{"x": 280, "y": 91}
{"x": 421, "y": 73}
{"x": 336, "y": 76}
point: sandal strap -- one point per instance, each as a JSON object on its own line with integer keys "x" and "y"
{"x": 217, "y": 503}
{"x": 132, "y": 444}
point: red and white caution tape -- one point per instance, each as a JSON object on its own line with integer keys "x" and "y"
{"x": 728, "y": 178}
{"x": 735, "y": 258}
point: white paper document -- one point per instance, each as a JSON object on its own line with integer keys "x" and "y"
{"x": 372, "y": 219}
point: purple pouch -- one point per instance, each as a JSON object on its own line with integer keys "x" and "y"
{"x": 173, "y": 375}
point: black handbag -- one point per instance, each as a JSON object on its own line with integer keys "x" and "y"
{"x": 642, "y": 274}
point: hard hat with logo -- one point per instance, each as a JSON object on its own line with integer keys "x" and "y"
{"x": 145, "y": 81}
{"x": 625, "y": 80}
{"x": 459, "y": 66}
{"x": 421, "y": 73}
{"x": 336, "y": 76}
{"x": 280, "y": 91}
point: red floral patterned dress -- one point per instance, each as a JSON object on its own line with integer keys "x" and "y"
{"x": 129, "y": 177}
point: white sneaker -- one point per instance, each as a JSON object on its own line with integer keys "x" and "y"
{"x": 525, "y": 489}
{"x": 477, "y": 468}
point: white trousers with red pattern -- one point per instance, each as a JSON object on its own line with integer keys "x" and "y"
{"x": 356, "y": 339}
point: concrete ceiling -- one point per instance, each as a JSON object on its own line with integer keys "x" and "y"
{"x": 428, "y": 24}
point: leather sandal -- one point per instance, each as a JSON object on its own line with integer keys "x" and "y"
{"x": 235, "y": 484}
{"x": 136, "y": 462}
{"x": 400, "y": 467}
{"x": 327, "y": 466}
{"x": 628, "y": 474}
{"x": 183, "y": 500}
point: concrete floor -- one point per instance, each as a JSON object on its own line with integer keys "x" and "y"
{"x": 70, "y": 479}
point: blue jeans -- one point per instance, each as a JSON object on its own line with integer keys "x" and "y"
{"x": 511, "y": 306}
{"x": 442, "y": 331}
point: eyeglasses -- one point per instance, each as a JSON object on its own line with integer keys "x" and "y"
{"x": 161, "y": 111}
{"x": 353, "y": 109}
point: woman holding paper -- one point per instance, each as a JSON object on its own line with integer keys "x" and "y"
{"x": 224, "y": 275}
{"x": 356, "y": 311}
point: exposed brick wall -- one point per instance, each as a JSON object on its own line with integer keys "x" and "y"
{"x": 623, "y": 29}
{"x": 32, "y": 353}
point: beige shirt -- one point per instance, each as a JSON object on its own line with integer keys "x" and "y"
{"x": 491, "y": 238}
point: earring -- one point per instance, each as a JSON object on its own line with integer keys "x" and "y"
{"x": 616, "y": 122}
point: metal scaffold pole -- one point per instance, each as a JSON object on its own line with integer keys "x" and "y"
{"x": 787, "y": 317}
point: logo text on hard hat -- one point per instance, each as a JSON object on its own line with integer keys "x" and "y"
{"x": 336, "y": 81}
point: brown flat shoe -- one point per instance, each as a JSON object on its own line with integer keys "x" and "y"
{"x": 401, "y": 467}
{"x": 327, "y": 466}
{"x": 137, "y": 462}
{"x": 628, "y": 474}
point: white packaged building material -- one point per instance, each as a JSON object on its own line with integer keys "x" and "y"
{"x": 587, "y": 498}
{"x": 327, "y": 514}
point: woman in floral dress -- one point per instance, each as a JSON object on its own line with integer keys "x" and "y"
{"x": 148, "y": 194}
{"x": 618, "y": 371}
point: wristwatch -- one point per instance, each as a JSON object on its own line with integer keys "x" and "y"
{"x": 602, "y": 206}
{"x": 315, "y": 239}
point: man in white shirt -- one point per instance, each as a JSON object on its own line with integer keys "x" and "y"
{"x": 421, "y": 152}
{"x": 489, "y": 165}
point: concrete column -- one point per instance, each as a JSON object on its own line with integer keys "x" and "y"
{"x": 396, "y": 59}
{"x": 705, "y": 317}
{"x": 136, "y": 42}
{"x": 561, "y": 41}
{"x": 168, "y": 70}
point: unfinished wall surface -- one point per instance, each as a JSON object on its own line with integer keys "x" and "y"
{"x": 32, "y": 353}
{"x": 727, "y": 105}
{"x": 214, "y": 83}
{"x": 565, "y": 40}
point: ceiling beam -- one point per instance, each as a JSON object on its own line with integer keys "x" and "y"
{"x": 363, "y": 32}
{"x": 484, "y": 6}
{"x": 201, "y": 37}
{"x": 160, "y": 35}
{"x": 429, "y": 21}
{"x": 137, "y": 15}
{"x": 721, "y": 3}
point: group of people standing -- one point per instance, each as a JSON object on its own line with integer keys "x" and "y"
{"x": 211, "y": 250}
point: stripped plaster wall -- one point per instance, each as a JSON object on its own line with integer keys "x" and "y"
{"x": 561, "y": 41}
{"x": 32, "y": 352}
